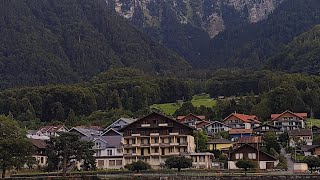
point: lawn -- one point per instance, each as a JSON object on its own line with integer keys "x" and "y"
{"x": 197, "y": 100}
{"x": 312, "y": 122}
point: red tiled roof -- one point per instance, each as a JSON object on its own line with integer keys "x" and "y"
{"x": 244, "y": 117}
{"x": 250, "y": 140}
{"x": 39, "y": 143}
{"x": 240, "y": 131}
{"x": 299, "y": 115}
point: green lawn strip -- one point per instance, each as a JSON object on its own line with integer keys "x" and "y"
{"x": 197, "y": 101}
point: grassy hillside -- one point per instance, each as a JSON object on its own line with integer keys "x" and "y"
{"x": 197, "y": 100}
{"x": 312, "y": 122}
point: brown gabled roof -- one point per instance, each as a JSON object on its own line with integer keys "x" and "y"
{"x": 202, "y": 124}
{"x": 39, "y": 143}
{"x": 300, "y": 132}
{"x": 240, "y": 131}
{"x": 120, "y": 130}
{"x": 180, "y": 118}
{"x": 250, "y": 140}
{"x": 244, "y": 118}
{"x": 299, "y": 115}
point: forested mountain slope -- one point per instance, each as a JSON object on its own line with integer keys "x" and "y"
{"x": 301, "y": 55}
{"x": 251, "y": 45}
{"x": 62, "y": 41}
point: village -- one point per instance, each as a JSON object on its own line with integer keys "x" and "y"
{"x": 279, "y": 144}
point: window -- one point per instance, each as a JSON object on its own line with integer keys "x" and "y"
{"x": 98, "y": 153}
{"x": 252, "y": 155}
{"x": 130, "y": 132}
{"x": 109, "y": 152}
{"x": 133, "y": 141}
{"x": 100, "y": 163}
{"x": 156, "y": 140}
{"x": 118, "y": 162}
{"x": 41, "y": 160}
{"x": 112, "y": 162}
{"x": 239, "y": 155}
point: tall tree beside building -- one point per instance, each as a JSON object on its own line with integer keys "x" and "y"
{"x": 15, "y": 149}
{"x": 69, "y": 147}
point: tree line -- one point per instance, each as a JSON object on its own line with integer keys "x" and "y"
{"x": 130, "y": 92}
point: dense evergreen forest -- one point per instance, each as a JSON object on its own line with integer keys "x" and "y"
{"x": 65, "y": 41}
{"x": 130, "y": 92}
{"x": 300, "y": 55}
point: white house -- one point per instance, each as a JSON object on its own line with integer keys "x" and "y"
{"x": 216, "y": 127}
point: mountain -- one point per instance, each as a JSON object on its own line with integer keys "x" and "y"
{"x": 300, "y": 55}
{"x": 251, "y": 45}
{"x": 186, "y": 26}
{"x": 63, "y": 41}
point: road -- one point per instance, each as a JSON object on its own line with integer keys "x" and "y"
{"x": 289, "y": 160}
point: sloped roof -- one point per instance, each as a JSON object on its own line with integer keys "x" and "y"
{"x": 127, "y": 120}
{"x": 45, "y": 129}
{"x": 299, "y": 115}
{"x": 300, "y": 132}
{"x": 240, "y": 131}
{"x": 202, "y": 124}
{"x": 220, "y": 141}
{"x": 244, "y": 117}
{"x": 179, "y": 118}
{"x": 306, "y": 148}
{"x": 97, "y": 128}
{"x": 110, "y": 141}
{"x": 250, "y": 140}
{"x": 155, "y": 113}
{"x": 39, "y": 143}
{"x": 111, "y": 129}
{"x": 86, "y": 131}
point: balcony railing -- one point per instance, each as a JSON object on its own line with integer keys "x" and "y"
{"x": 145, "y": 125}
{"x": 183, "y": 143}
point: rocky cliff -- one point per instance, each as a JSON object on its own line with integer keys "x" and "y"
{"x": 209, "y": 15}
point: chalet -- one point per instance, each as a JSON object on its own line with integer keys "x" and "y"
{"x": 238, "y": 133}
{"x": 39, "y": 151}
{"x": 298, "y": 136}
{"x": 108, "y": 151}
{"x": 255, "y": 141}
{"x": 289, "y": 120}
{"x": 263, "y": 160}
{"x": 216, "y": 127}
{"x": 219, "y": 144}
{"x": 191, "y": 119}
{"x": 262, "y": 129}
{"x": 52, "y": 130}
{"x": 311, "y": 150}
{"x": 120, "y": 123}
{"x": 242, "y": 121}
{"x": 154, "y": 138}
